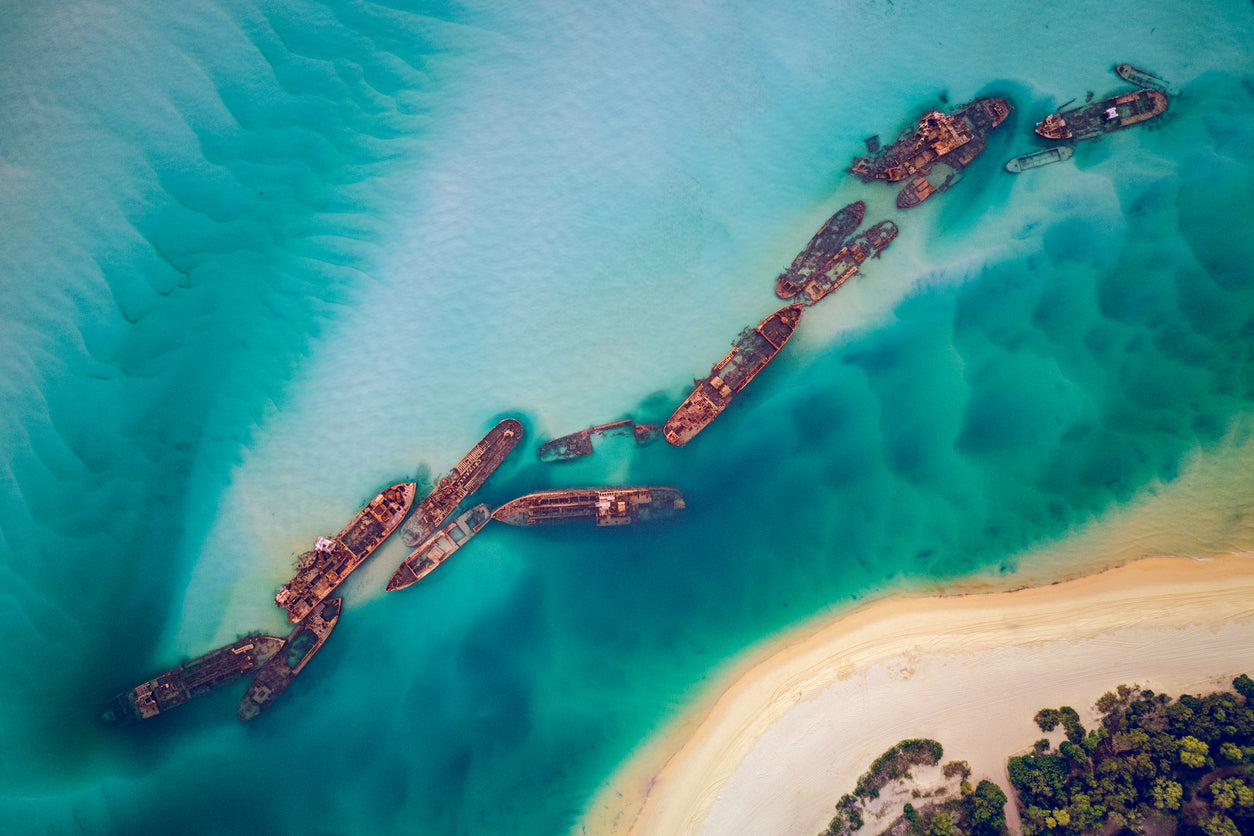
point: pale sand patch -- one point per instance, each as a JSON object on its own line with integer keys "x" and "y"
{"x": 790, "y": 736}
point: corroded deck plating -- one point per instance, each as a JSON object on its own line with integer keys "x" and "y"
{"x": 469, "y": 474}
{"x": 273, "y": 678}
{"x": 439, "y": 547}
{"x": 823, "y": 248}
{"x": 1113, "y": 114}
{"x": 191, "y": 679}
{"x": 752, "y": 350}
{"x": 602, "y": 506}
{"x": 333, "y": 559}
{"x": 867, "y": 244}
{"x": 954, "y": 140}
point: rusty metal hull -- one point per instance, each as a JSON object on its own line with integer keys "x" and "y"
{"x": 752, "y": 350}
{"x": 333, "y": 559}
{"x": 467, "y": 477}
{"x": 600, "y": 506}
{"x": 201, "y": 675}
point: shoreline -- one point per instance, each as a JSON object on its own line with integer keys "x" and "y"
{"x": 802, "y": 719}
{"x": 1200, "y": 514}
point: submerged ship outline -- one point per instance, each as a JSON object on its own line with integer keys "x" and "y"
{"x": 1037, "y": 159}
{"x": 824, "y": 247}
{"x": 305, "y": 640}
{"x": 579, "y": 444}
{"x": 1141, "y": 78}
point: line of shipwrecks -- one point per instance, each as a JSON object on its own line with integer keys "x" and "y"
{"x": 274, "y": 662}
{"x": 930, "y": 157}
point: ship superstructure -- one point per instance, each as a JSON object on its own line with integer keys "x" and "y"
{"x": 824, "y": 247}
{"x": 273, "y": 678}
{"x": 467, "y": 477}
{"x": 439, "y": 547}
{"x": 602, "y": 506}
{"x": 191, "y": 679}
{"x": 951, "y": 141}
{"x": 333, "y": 559}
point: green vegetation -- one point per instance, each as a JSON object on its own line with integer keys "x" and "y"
{"x": 1185, "y": 765}
{"x": 895, "y": 764}
{"x": 1152, "y": 765}
{"x": 976, "y": 811}
{"x": 1048, "y": 719}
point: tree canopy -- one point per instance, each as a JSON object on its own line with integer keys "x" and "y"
{"x": 1190, "y": 759}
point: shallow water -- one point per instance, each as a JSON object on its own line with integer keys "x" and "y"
{"x": 264, "y": 260}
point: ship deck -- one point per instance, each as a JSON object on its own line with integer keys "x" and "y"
{"x": 467, "y": 477}
{"x": 201, "y": 675}
{"x": 604, "y": 506}
{"x": 305, "y": 640}
{"x": 334, "y": 559}
{"x": 439, "y": 547}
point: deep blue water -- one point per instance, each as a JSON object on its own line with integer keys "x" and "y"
{"x": 263, "y": 259}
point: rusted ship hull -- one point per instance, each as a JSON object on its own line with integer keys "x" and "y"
{"x": 1141, "y": 78}
{"x": 439, "y": 547}
{"x": 916, "y": 191}
{"x": 1036, "y": 159}
{"x": 752, "y": 350}
{"x": 577, "y": 445}
{"x": 601, "y": 506}
{"x": 274, "y": 677}
{"x": 467, "y": 477}
{"x": 955, "y": 139}
{"x": 191, "y": 679}
{"x": 333, "y": 559}
{"x": 867, "y": 244}
{"x": 823, "y": 247}
{"x": 1113, "y": 114}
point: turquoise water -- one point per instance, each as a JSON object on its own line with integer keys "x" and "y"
{"x": 263, "y": 259}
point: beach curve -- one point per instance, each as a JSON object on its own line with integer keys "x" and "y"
{"x": 794, "y": 731}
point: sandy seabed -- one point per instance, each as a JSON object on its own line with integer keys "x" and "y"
{"x": 791, "y": 735}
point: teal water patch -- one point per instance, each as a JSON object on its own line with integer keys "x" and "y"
{"x": 189, "y": 199}
{"x": 319, "y": 248}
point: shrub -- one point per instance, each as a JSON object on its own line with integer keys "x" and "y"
{"x": 1047, "y": 719}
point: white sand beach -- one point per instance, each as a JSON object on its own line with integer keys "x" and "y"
{"x": 793, "y": 733}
